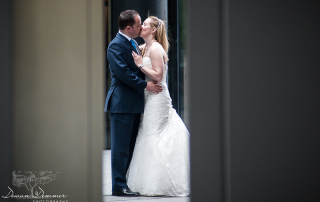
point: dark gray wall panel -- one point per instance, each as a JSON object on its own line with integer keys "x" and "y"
{"x": 274, "y": 91}
{"x": 5, "y": 98}
{"x": 205, "y": 130}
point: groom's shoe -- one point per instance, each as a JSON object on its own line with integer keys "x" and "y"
{"x": 125, "y": 192}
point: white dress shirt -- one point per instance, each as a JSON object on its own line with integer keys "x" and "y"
{"x": 128, "y": 37}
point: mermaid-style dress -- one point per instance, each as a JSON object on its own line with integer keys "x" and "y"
{"x": 160, "y": 162}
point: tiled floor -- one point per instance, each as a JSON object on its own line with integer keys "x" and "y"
{"x": 107, "y": 186}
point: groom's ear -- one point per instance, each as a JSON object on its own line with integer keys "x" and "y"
{"x": 128, "y": 28}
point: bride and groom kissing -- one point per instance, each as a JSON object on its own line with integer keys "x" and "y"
{"x": 149, "y": 141}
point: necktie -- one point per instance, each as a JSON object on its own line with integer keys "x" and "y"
{"x": 133, "y": 44}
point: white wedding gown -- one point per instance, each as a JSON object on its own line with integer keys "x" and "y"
{"x": 160, "y": 162}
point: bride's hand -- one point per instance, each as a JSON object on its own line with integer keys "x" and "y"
{"x": 137, "y": 59}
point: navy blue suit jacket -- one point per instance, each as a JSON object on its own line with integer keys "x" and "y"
{"x": 126, "y": 93}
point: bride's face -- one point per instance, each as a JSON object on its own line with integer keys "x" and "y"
{"x": 146, "y": 28}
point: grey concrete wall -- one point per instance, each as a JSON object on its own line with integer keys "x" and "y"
{"x": 205, "y": 103}
{"x": 58, "y": 94}
{"x": 5, "y": 98}
{"x": 254, "y": 100}
{"x": 274, "y": 100}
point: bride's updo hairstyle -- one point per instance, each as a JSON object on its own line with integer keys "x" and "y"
{"x": 161, "y": 34}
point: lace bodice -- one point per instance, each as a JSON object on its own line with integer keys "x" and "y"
{"x": 165, "y": 92}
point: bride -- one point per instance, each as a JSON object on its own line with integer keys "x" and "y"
{"x": 160, "y": 162}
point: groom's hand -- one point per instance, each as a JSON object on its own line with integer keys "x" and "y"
{"x": 153, "y": 87}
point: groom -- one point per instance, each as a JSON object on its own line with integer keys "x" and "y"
{"x": 125, "y": 99}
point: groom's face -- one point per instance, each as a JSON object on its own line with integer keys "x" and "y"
{"x": 136, "y": 28}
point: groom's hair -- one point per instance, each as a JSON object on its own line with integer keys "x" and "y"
{"x": 126, "y": 18}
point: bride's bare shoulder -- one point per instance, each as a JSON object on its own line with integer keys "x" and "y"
{"x": 157, "y": 53}
{"x": 157, "y": 48}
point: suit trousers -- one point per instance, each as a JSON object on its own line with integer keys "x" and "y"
{"x": 124, "y": 131}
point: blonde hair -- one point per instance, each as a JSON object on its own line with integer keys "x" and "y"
{"x": 161, "y": 34}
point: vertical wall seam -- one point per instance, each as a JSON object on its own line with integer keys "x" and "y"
{"x": 178, "y": 59}
{"x": 225, "y": 100}
{"x": 89, "y": 100}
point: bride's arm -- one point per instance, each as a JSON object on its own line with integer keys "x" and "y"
{"x": 156, "y": 56}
